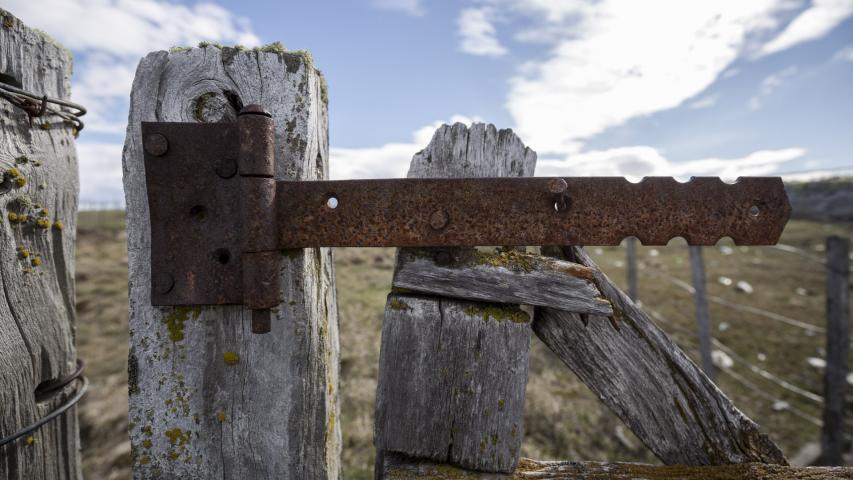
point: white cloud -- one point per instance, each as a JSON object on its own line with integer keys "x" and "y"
{"x": 409, "y": 7}
{"x": 100, "y": 172}
{"x": 636, "y": 162}
{"x": 386, "y": 161}
{"x": 108, "y": 37}
{"x": 478, "y": 33}
{"x": 770, "y": 84}
{"x": 816, "y": 21}
{"x": 704, "y": 102}
{"x": 622, "y": 59}
{"x": 845, "y": 54}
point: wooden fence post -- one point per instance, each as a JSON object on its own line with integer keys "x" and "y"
{"x": 703, "y": 319}
{"x": 38, "y": 203}
{"x": 452, "y": 373}
{"x": 209, "y": 399}
{"x": 631, "y": 267}
{"x": 837, "y": 348}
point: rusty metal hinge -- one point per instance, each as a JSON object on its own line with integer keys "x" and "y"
{"x": 219, "y": 218}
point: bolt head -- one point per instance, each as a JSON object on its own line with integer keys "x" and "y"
{"x": 226, "y": 167}
{"x": 163, "y": 283}
{"x": 557, "y": 186}
{"x": 254, "y": 109}
{"x": 438, "y": 219}
{"x": 156, "y": 144}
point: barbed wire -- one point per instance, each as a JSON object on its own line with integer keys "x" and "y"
{"x": 37, "y": 106}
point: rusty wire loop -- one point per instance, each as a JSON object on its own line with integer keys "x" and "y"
{"x": 37, "y": 106}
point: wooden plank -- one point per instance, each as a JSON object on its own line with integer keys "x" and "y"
{"x": 452, "y": 374}
{"x": 400, "y": 468}
{"x": 39, "y": 171}
{"x": 209, "y": 399}
{"x": 502, "y": 277}
{"x": 703, "y": 318}
{"x": 643, "y": 377}
{"x": 837, "y": 349}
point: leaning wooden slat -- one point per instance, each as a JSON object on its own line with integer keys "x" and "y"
{"x": 504, "y": 277}
{"x": 643, "y": 377}
{"x": 398, "y": 468}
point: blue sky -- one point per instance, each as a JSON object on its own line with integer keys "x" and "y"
{"x": 596, "y": 87}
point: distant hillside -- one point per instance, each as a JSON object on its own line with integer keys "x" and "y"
{"x": 830, "y": 199}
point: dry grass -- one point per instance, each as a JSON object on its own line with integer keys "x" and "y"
{"x": 563, "y": 419}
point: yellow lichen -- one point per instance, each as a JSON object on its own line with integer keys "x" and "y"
{"x": 146, "y": 443}
{"x": 220, "y": 415}
{"x": 175, "y": 321}
{"x": 20, "y": 181}
{"x": 231, "y": 358}
{"x": 513, "y": 314}
{"x": 43, "y": 222}
{"x": 43, "y": 212}
{"x": 35, "y": 261}
{"x": 144, "y": 460}
{"x": 45, "y": 126}
{"x": 397, "y": 304}
{"x": 58, "y": 225}
{"x": 23, "y": 251}
{"x": 13, "y": 217}
{"x": 177, "y": 436}
{"x": 13, "y": 172}
{"x": 29, "y": 440}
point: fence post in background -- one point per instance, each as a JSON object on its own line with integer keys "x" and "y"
{"x": 453, "y": 373}
{"x": 38, "y": 204}
{"x": 631, "y": 266}
{"x": 209, "y": 399}
{"x": 837, "y": 349}
{"x": 703, "y": 319}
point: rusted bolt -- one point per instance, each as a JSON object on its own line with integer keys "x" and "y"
{"x": 226, "y": 167}
{"x": 163, "y": 283}
{"x": 442, "y": 257}
{"x": 156, "y": 144}
{"x": 557, "y": 186}
{"x": 438, "y": 219}
{"x": 254, "y": 109}
{"x": 261, "y": 321}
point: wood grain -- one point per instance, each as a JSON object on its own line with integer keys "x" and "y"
{"x": 452, "y": 374}
{"x": 401, "y": 468}
{"x": 645, "y": 379}
{"x": 37, "y": 261}
{"x": 502, "y": 277}
{"x": 209, "y": 399}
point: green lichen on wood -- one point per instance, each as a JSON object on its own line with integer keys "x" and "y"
{"x": 397, "y": 304}
{"x": 176, "y": 319}
{"x": 199, "y": 104}
{"x": 498, "y": 313}
{"x": 177, "y": 436}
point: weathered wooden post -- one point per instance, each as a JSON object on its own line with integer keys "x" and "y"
{"x": 837, "y": 349}
{"x": 631, "y": 266}
{"x": 38, "y": 200}
{"x": 209, "y": 399}
{"x": 452, "y": 373}
{"x": 700, "y": 298}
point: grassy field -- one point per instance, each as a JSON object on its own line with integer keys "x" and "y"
{"x": 563, "y": 419}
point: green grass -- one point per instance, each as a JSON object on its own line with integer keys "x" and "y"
{"x": 563, "y": 419}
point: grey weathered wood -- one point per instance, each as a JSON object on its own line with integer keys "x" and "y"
{"x": 209, "y": 399}
{"x": 631, "y": 266}
{"x": 37, "y": 306}
{"x": 502, "y": 277}
{"x": 645, "y": 379}
{"x": 700, "y": 299}
{"x": 452, "y": 374}
{"x": 837, "y": 349}
{"x": 397, "y": 468}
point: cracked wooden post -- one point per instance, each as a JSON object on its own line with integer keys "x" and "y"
{"x": 209, "y": 399}
{"x": 38, "y": 204}
{"x": 452, "y": 373}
